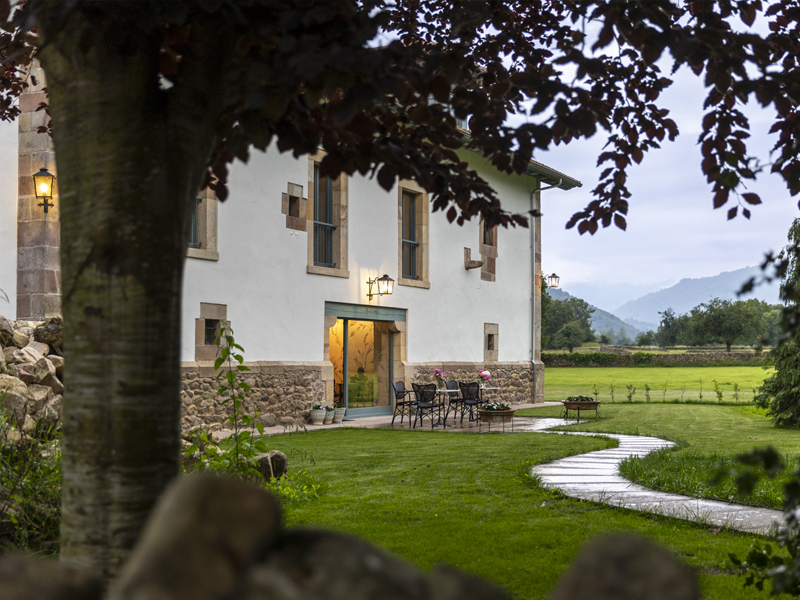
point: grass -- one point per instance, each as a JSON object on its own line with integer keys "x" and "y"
{"x": 682, "y": 384}
{"x": 468, "y": 500}
{"x": 708, "y": 436}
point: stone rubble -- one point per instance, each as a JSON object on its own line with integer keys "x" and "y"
{"x": 31, "y": 368}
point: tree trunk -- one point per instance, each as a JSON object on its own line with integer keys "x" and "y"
{"x": 125, "y": 206}
{"x": 728, "y": 346}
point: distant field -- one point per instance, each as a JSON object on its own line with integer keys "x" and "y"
{"x": 681, "y": 383}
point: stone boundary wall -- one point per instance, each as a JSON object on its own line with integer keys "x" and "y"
{"x": 601, "y": 359}
{"x": 284, "y": 392}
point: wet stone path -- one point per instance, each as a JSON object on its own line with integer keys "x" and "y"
{"x": 594, "y": 476}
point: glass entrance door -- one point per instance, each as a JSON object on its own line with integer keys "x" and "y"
{"x": 361, "y": 353}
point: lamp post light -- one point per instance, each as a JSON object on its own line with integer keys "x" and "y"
{"x": 552, "y": 280}
{"x": 385, "y": 286}
{"x": 43, "y": 188}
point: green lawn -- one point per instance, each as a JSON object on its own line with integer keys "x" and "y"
{"x": 468, "y": 500}
{"x": 681, "y": 383}
{"x": 706, "y": 434}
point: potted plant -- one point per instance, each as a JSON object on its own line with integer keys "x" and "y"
{"x": 580, "y": 403}
{"x": 338, "y": 412}
{"x": 317, "y": 414}
{"x": 328, "y": 415}
{"x": 496, "y": 412}
{"x": 484, "y": 376}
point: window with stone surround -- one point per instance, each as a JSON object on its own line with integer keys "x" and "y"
{"x": 326, "y": 221}
{"x": 412, "y": 235}
{"x": 491, "y": 339}
{"x": 203, "y": 240}
{"x": 488, "y": 249}
{"x": 206, "y": 328}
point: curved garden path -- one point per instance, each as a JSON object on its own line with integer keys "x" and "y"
{"x": 595, "y": 476}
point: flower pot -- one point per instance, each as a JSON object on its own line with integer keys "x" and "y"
{"x": 338, "y": 414}
{"x": 328, "y": 417}
{"x": 496, "y": 416}
{"x": 318, "y": 416}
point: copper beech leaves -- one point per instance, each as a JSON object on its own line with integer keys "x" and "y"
{"x": 303, "y": 75}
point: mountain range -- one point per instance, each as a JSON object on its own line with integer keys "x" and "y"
{"x": 641, "y": 314}
{"x": 601, "y": 319}
{"x": 688, "y": 293}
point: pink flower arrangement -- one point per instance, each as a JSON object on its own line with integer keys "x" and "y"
{"x": 484, "y": 374}
{"x": 439, "y": 375}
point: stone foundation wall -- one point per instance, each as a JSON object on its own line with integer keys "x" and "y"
{"x": 515, "y": 379}
{"x": 283, "y": 393}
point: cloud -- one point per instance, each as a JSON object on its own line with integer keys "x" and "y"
{"x": 673, "y": 230}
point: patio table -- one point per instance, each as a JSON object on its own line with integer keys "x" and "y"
{"x": 443, "y": 421}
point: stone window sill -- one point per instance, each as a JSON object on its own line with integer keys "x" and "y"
{"x": 202, "y": 253}
{"x": 329, "y": 271}
{"x": 417, "y": 283}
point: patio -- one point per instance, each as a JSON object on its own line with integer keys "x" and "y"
{"x": 521, "y": 424}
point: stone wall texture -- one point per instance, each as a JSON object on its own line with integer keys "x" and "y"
{"x": 283, "y": 393}
{"x": 515, "y": 379}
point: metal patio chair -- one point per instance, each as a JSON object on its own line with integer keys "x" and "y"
{"x": 471, "y": 398}
{"x": 427, "y": 406}
{"x": 403, "y": 404}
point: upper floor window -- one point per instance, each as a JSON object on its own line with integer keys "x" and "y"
{"x": 413, "y": 234}
{"x": 326, "y": 219}
{"x": 409, "y": 241}
{"x": 324, "y": 227}
{"x": 194, "y": 238}
{"x": 203, "y": 234}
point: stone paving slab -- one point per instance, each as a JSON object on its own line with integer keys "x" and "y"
{"x": 595, "y": 477}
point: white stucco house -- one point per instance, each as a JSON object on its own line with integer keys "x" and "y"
{"x": 287, "y": 260}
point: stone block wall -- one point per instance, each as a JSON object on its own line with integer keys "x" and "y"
{"x": 283, "y": 393}
{"x": 515, "y": 379}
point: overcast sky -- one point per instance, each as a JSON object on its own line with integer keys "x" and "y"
{"x": 673, "y": 231}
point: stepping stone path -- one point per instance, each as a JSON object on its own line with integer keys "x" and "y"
{"x": 595, "y": 476}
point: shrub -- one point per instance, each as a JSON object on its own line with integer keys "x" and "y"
{"x": 30, "y": 487}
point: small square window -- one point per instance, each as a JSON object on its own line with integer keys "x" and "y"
{"x": 212, "y": 325}
{"x": 294, "y": 206}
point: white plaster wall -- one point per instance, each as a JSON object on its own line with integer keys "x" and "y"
{"x": 8, "y": 218}
{"x": 277, "y": 309}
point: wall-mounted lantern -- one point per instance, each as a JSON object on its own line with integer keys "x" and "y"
{"x": 552, "y": 280}
{"x": 385, "y": 286}
{"x": 43, "y": 187}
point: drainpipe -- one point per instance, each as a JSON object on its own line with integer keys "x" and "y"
{"x": 535, "y": 194}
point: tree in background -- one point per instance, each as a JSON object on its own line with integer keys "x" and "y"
{"x": 646, "y": 338}
{"x": 546, "y": 304}
{"x": 150, "y": 100}
{"x": 780, "y": 392}
{"x": 604, "y": 339}
{"x": 570, "y": 335}
{"x": 673, "y": 329}
{"x": 725, "y": 321}
{"x": 562, "y": 312}
{"x": 622, "y": 338}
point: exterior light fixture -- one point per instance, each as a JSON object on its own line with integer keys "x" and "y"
{"x": 552, "y": 280}
{"x": 43, "y": 188}
{"x": 385, "y": 286}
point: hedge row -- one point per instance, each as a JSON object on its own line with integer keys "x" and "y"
{"x": 604, "y": 359}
